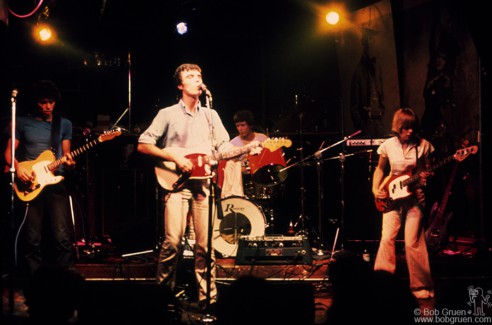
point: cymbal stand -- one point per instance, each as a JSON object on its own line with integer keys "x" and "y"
{"x": 318, "y": 155}
{"x": 341, "y": 221}
{"x": 302, "y": 216}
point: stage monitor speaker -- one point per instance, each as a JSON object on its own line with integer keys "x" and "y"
{"x": 254, "y": 250}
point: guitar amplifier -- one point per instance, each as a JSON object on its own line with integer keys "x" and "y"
{"x": 255, "y": 250}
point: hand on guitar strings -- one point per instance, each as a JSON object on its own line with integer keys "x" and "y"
{"x": 423, "y": 175}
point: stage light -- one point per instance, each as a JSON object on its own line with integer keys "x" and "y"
{"x": 182, "y": 28}
{"x": 332, "y": 17}
{"x": 43, "y": 32}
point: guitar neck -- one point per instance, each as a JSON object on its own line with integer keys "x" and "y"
{"x": 57, "y": 163}
{"x": 439, "y": 164}
{"x": 237, "y": 151}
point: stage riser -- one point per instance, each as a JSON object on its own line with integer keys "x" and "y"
{"x": 226, "y": 271}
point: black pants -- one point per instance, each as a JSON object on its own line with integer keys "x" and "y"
{"x": 48, "y": 229}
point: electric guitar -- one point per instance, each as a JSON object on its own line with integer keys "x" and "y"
{"x": 170, "y": 178}
{"x": 435, "y": 232}
{"x": 44, "y": 166}
{"x": 397, "y": 186}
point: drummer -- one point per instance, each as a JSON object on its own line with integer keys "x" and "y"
{"x": 237, "y": 172}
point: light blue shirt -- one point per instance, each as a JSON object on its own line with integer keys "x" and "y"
{"x": 173, "y": 126}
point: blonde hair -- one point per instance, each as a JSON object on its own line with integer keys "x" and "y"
{"x": 404, "y": 118}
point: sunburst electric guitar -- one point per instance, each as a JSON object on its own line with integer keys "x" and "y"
{"x": 170, "y": 178}
{"x": 44, "y": 166}
{"x": 397, "y": 186}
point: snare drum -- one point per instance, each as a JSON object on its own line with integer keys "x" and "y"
{"x": 241, "y": 217}
{"x": 266, "y": 167}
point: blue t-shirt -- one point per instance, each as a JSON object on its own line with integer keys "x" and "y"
{"x": 35, "y": 137}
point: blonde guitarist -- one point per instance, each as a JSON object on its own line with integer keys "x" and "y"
{"x": 403, "y": 153}
{"x": 47, "y": 230}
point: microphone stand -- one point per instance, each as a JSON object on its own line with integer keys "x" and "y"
{"x": 211, "y": 202}
{"x": 115, "y": 127}
{"x": 13, "y": 262}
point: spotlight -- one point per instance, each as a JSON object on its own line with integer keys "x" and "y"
{"x": 43, "y": 32}
{"x": 332, "y": 17}
{"x": 182, "y": 28}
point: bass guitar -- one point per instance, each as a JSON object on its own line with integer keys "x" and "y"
{"x": 436, "y": 231}
{"x": 170, "y": 178}
{"x": 44, "y": 166}
{"x": 397, "y": 187}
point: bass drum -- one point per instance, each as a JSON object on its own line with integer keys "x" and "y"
{"x": 241, "y": 217}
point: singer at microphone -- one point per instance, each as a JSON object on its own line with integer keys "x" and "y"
{"x": 207, "y": 92}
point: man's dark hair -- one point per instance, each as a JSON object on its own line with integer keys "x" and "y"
{"x": 45, "y": 89}
{"x": 184, "y": 67}
{"x": 244, "y": 116}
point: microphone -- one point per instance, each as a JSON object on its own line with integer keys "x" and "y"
{"x": 204, "y": 88}
{"x": 14, "y": 94}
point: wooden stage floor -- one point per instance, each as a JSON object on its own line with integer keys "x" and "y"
{"x": 454, "y": 274}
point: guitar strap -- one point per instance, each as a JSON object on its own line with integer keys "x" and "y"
{"x": 55, "y": 134}
{"x": 419, "y": 191}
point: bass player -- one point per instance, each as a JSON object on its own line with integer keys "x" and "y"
{"x": 405, "y": 152}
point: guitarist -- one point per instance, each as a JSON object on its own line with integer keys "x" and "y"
{"x": 404, "y": 152}
{"x": 48, "y": 229}
{"x": 186, "y": 125}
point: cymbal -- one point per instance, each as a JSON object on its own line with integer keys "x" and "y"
{"x": 302, "y": 116}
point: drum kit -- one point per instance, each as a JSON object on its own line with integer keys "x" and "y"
{"x": 247, "y": 215}
{"x": 264, "y": 187}
{"x": 254, "y": 213}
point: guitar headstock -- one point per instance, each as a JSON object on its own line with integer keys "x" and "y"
{"x": 273, "y": 144}
{"x": 109, "y": 135}
{"x": 461, "y": 154}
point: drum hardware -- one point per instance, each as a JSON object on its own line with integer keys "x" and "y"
{"x": 300, "y": 163}
{"x": 318, "y": 156}
{"x": 341, "y": 157}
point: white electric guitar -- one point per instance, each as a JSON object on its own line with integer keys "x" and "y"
{"x": 397, "y": 185}
{"x": 44, "y": 166}
{"x": 170, "y": 178}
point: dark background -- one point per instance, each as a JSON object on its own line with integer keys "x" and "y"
{"x": 257, "y": 55}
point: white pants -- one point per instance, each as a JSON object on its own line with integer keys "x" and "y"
{"x": 416, "y": 254}
{"x": 176, "y": 210}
